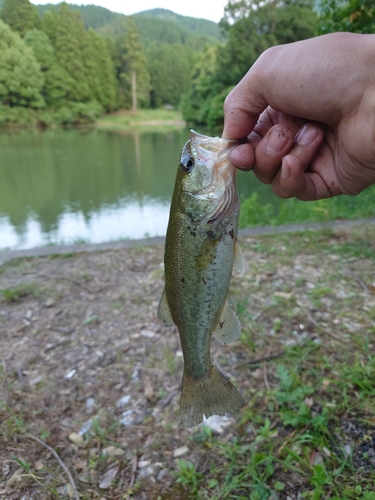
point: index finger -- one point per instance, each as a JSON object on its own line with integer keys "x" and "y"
{"x": 242, "y": 108}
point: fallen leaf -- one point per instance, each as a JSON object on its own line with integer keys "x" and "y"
{"x": 149, "y": 391}
{"x": 107, "y": 478}
{"x": 113, "y": 451}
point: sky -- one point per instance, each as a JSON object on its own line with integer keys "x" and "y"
{"x": 212, "y": 9}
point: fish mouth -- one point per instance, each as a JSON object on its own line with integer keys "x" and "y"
{"x": 215, "y": 151}
{"x": 211, "y": 144}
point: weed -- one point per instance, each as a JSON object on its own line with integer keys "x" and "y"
{"x": 188, "y": 476}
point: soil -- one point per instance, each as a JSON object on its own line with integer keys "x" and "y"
{"x": 88, "y": 370}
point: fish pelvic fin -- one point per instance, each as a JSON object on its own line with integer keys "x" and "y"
{"x": 229, "y": 328}
{"x": 164, "y": 313}
{"x": 214, "y": 395}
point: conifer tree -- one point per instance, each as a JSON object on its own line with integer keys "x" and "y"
{"x": 21, "y": 15}
{"x": 49, "y": 25}
{"x": 106, "y": 86}
{"x": 132, "y": 72}
{"x": 69, "y": 41}
{"x": 57, "y": 82}
{"x": 21, "y": 80}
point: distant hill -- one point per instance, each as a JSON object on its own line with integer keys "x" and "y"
{"x": 155, "y": 25}
{"x": 191, "y": 24}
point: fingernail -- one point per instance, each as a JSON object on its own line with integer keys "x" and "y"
{"x": 307, "y": 135}
{"x": 285, "y": 170}
{"x": 277, "y": 141}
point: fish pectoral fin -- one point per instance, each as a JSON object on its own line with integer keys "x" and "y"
{"x": 207, "y": 253}
{"x": 239, "y": 261}
{"x": 164, "y": 313}
{"x": 229, "y": 328}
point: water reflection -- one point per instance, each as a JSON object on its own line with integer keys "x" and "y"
{"x": 61, "y": 186}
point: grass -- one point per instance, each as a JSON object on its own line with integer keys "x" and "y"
{"x": 143, "y": 119}
{"x": 19, "y": 292}
{"x": 308, "y": 428}
{"x": 255, "y": 213}
{"x": 294, "y": 432}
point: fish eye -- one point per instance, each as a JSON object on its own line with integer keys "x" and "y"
{"x": 187, "y": 163}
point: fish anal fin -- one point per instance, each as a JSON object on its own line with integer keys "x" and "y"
{"x": 239, "y": 261}
{"x": 229, "y": 328}
{"x": 164, "y": 313}
{"x": 214, "y": 395}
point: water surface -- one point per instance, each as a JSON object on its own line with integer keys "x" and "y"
{"x": 66, "y": 186}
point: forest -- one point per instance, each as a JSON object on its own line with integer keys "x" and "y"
{"x": 70, "y": 64}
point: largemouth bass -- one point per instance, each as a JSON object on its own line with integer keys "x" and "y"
{"x": 200, "y": 251}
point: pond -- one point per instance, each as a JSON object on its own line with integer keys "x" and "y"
{"x": 69, "y": 186}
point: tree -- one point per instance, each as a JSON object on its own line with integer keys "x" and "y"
{"x": 57, "y": 82}
{"x": 69, "y": 41}
{"x": 106, "y": 85}
{"x": 20, "y": 15}
{"x": 49, "y": 25}
{"x": 133, "y": 75}
{"x": 21, "y": 80}
{"x": 357, "y": 16}
{"x": 252, "y": 26}
{"x": 170, "y": 67}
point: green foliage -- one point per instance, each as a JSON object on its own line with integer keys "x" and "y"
{"x": 57, "y": 82}
{"x": 256, "y": 213}
{"x": 103, "y": 72}
{"x": 170, "y": 67}
{"x": 356, "y": 16}
{"x": 188, "y": 476}
{"x": 155, "y": 25}
{"x": 75, "y": 113}
{"x": 69, "y": 44}
{"x": 252, "y": 26}
{"x": 195, "y": 104}
{"x": 132, "y": 61}
{"x": 20, "y": 78}
{"x": 20, "y": 15}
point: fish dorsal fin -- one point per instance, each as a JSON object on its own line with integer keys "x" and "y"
{"x": 239, "y": 261}
{"x": 164, "y": 313}
{"x": 229, "y": 328}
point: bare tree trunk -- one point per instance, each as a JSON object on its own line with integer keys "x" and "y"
{"x": 134, "y": 92}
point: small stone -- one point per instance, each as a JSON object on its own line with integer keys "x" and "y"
{"x": 49, "y": 303}
{"x": 71, "y": 374}
{"x": 217, "y": 423}
{"x": 123, "y": 401}
{"x": 179, "y": 452}
{"x": 90, "y": 404}
{"x": 149, "y": 334}
{"x": 75, "y": 438}
{"x": 127, "y": 418}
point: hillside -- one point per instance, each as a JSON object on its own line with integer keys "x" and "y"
{"x": 155, "y": 25}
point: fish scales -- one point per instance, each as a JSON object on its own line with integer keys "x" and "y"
{"x": 200, "y": 250}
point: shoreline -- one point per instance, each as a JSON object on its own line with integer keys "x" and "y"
{"x": 7, "y": 255}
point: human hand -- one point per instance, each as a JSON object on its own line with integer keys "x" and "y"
{"x": 308, "y": 110}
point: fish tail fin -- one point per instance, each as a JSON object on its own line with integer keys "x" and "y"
{"x": 214, "y": 395}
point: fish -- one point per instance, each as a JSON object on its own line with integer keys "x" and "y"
{"x": 201, "y": 250}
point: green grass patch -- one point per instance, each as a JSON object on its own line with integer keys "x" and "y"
{"x": 255, "y": 213}
{"x": 143, "y": 119}
{"x": 19, "y": 292}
